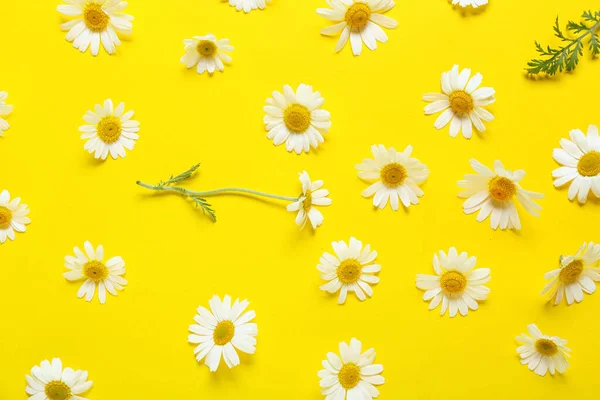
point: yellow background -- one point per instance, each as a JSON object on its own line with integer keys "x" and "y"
{"x": 135, "y": 346}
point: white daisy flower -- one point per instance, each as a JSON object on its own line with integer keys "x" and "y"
{"x": 90, "y": 266}
{"x": 397, "y": 176}
{"x": 222, "y": 331}
{"x": 575, "y": 276}
{"x": 353, "y": 376}
{"x": 207, "y": 53}
{"x": 296, "y": 118}
{"x": 542, "y": 352}
{"x": 472, "y": 3}
{"x": 580, "y": 160}
{"x": 312, "y": 195}
{"x": 462, "y": 102}
{"x": 49, "y": 381}
{"x": 13, "y": 216}
{"x": 95, "y": 21}
{"x": 493, "y": 193}
{"x": 249, "y": 5}
{"x": 5, "y": 110}
{"x": 456, "y": 284}
{"x": 112, "y": 131}
{"x": 350, "y": 270}
{"x": 359, "y": 20}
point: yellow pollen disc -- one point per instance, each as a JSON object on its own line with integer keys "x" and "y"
{"x": 546, "y": 347}
{"x": 349, "y": 376}
{"x": 109, "y": 129}
{"x": 95, "y": 270}
{"x": 5, "y": 217}
{"x": 223, "y": 333}
{"x": 461, "y": 102}
{"x": 589, "y": 164}
{"x": 453, "y": 282}
{"x": 206, "y": 48}
{"x": 358, "y": 15}
{"x": 571, "y": 272}
{"x": 307, "y": 203}
{"x": 501, "y": 188}
{"x": 297, "y": 118}
{"x": 95, "y": 19}
{"x": 393, "y": 175}
{"x": 349, "y": 271}
{"x": 57, "y": 390}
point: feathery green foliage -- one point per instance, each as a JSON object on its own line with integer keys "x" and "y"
{"x": 566, "y": 57}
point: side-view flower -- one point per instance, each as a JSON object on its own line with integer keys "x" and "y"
{"x": 206, "y": 53}
{"x": 5, "y": 109}
{"x": 49, "y": 381}
{"x": 13, "y": 216}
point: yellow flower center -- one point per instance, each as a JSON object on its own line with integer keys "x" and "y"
{"x": 223, "y": 333}
{"x": 5, "y": 217}
{"x": 57, "y": 390}
{"x": 571, "y": 272}
{"x": 358, "y": 15}
{"x": 501, "y": 188}
{"x": 546, "y": 347}
{"x": 349, "y": 271}
{"x": 453, "y": 282}
{"x": 461, "y": 102}
{"x": 589, "y": 164}
{"x": 95, "y": 270}
{"x": 349, "y": 376}
{"x": 109, "y": 129}
{"x": 95, "y": 19}
{"x": 297, "y": 118}
{"x": 206, "y": 48}
{"x": 307, "y": 203}
{"x": 393, "y": 175}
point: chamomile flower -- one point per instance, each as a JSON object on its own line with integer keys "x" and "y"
{"x": 351, "y": 269}
{"x": 494, "y": 192}
{"x": 472, "y": 3}
{"x": 575, "y": 275}
{"x": 95, "y": 21}
{"x": 13, "y": 216}
{"x": 5, "y": 109}
{"x": 296, "y": 118}
{"x": 312, "y": 195}
{"x": 462, "y": 102}
{"x": 358, "y": 20}
{"x": 580, "y": 160}
{"x": 456, "y": 285}
{"x": 353, "y": 376}
{"x": 91, "y": 267}
{"x": 543, "y": 353}
{"x": 222, "y": 330}
{"x": 111, "y": 131}
{"x": 249, "y": 5}
{"x": 206, "y": 53}
{"x": 396, "y": 175}
{"x": 49, "y": 381}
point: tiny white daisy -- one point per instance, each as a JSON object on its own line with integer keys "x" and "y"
{"x": 493, "y": 194}
{"x": 49, "y": 381}
{"x": 353, "y": 376}
{"x": 312, "y": 195}
{"x": 296, "y": 118}
{"x": 456, "y": 284}
{"x": 90, "y": 266}
{"x": 472, "y": 3}
{"x": 112, "y": 130}
{"x": 222, "y": 331}
{"x": 462, "y": 101}
{"x": 249, "y": 5}
{"x": 5, "y": 109}
{"x": 575, "y": 275}
{"x": 359, "y": 20}
{"x": 542, "y": 352}
{"x": 350, "y": 270}
{"x": 95, "y": 21}
{"x": 207, "y": 53}
{"x": 13, "y": 216}
{"x": 397, "y": 177}
{"x": 580, "y": 160}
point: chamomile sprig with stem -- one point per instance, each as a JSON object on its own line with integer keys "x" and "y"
{"x": 304, "y": 204}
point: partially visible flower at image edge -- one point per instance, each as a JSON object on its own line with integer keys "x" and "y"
{"x": 249, "y": 5}
{"x": 206, "y": 53}
{"x": 13, "y": 216}
{"x": 312, "y": 195}
{"x": 49, "y": 381}
{"x": 5, "y": 109}
{"x": 472, "y": 3}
